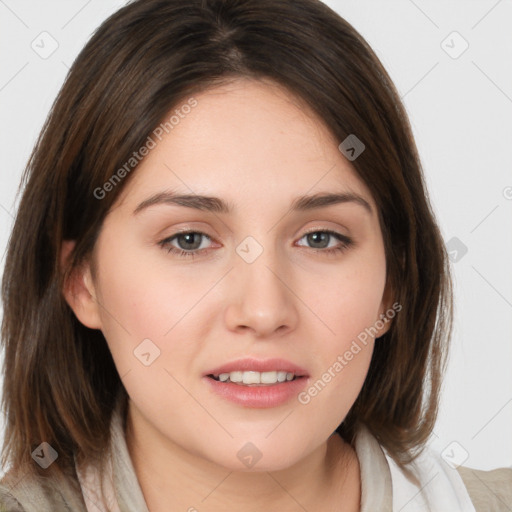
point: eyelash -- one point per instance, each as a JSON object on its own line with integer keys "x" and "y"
{"x": 346, "y": 242}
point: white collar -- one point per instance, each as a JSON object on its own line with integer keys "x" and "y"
{"x": 432, "y": 485}
{"x": 428, "y": 484}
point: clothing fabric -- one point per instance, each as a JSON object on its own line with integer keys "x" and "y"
{"x": 428, "y": 485}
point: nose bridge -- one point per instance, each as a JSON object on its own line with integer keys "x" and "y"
{"x": 260, "y": 298}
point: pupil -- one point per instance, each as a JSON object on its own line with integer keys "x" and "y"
{"x": 189, "y": 240}
{"x": 313, "y": 237}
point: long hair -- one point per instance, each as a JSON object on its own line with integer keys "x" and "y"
{"x": 60, "y": 381}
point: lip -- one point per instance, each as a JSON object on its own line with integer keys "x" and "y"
{"x": 256, "y": 396}
{"x": 249, "y": 364}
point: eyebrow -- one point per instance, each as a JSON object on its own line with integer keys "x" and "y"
{"x": 217, "y": 205}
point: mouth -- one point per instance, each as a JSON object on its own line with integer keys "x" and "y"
{"x": 257, "y": 383}
{"x": 253, "y": 378}
{"x": 250, "y": 371}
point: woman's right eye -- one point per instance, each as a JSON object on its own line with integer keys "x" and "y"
{"x": 189, "y": 239}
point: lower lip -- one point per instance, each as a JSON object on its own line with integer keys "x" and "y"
{"x": 258, "y": 396}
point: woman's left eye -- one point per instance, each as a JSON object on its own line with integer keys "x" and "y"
{"x": 189, "y": 242}
{"x": 319, "y": 237}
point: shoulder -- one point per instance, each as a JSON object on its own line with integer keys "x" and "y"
{"x": 8, "y": 503}
{"x": 29, "y": 493}
{"x": 488, "y": 490}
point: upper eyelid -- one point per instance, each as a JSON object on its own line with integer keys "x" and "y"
{"x": 186, "y": 231}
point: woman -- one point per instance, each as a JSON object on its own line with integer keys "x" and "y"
{"x": 225, "y": 287}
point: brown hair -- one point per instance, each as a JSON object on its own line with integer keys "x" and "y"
{"x": 60, "y": 381}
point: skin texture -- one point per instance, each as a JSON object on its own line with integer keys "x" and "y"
{"x": 256, "y": 146}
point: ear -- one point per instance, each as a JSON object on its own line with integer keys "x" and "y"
{"x": 78, "y": 290}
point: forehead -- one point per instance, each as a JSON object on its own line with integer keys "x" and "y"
{"x": 245, "y": 139}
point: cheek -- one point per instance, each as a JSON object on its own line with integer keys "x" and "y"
{"x": 142, "y": 298}
{"x": 343, "y": 356}
{"x": 350, "y": 298}
{"x": 144, "y": 284}
{"x": 349, "y": 304}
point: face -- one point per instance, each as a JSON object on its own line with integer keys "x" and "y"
{"x": 183, "y": 288}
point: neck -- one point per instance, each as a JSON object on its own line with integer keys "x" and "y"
{"x": 172, "y": 478}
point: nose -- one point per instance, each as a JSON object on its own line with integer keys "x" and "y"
{"x": 261, "y": 297}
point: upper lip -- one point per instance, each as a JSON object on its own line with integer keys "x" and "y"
{"x": 259, "y": 365}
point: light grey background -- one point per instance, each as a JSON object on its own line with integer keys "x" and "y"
{"x": 460, "y": 105}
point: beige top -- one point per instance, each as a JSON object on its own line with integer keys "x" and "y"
{"x": 490, "y": 491}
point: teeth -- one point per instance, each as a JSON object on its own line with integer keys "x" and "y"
{"x": 252, "y": 378}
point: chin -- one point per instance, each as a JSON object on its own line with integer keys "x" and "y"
{"x": 258, "y": 456}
